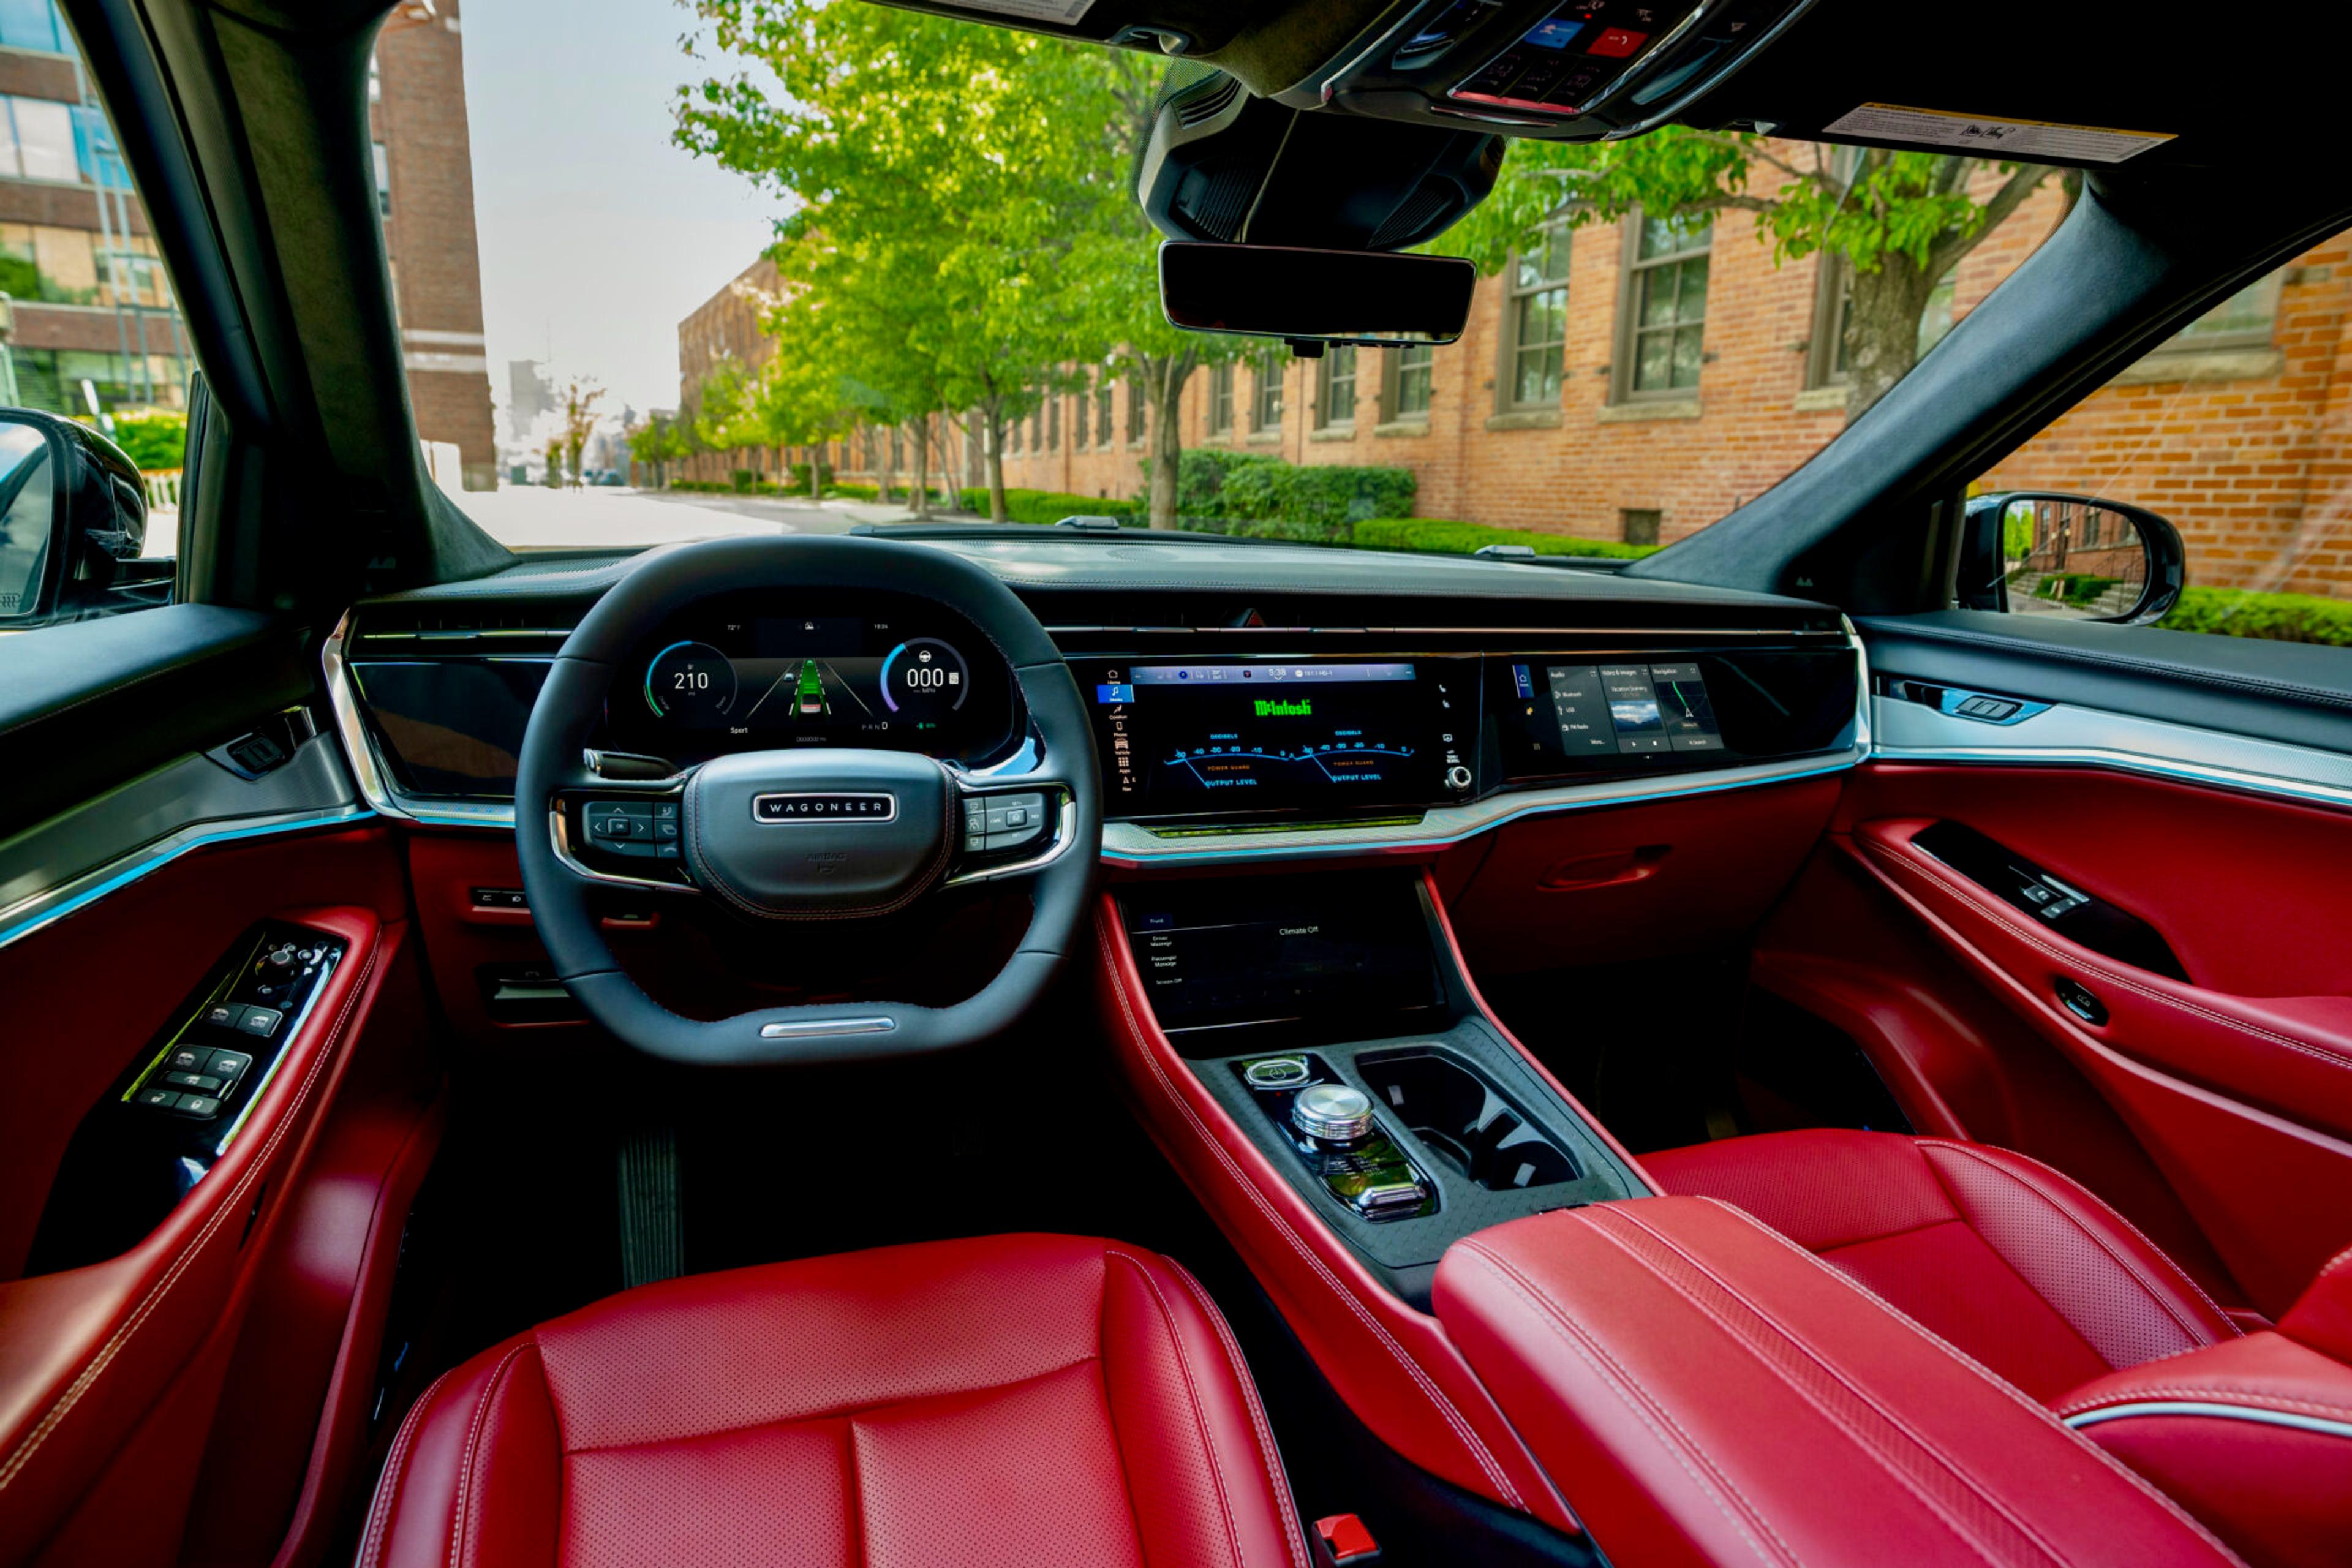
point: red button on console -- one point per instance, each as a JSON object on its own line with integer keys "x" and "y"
{"x": 1616, "y": 43}
{"x": 1345, "y": 1537}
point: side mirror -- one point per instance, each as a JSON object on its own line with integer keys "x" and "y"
{"x": 73, "y": 513}
{"x": 1375, "y": 297}
{"x": 2075, "y": 557}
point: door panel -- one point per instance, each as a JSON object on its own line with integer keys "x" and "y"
{"x": 109, "y": 1372}
{"x": 2239, "y": 1083}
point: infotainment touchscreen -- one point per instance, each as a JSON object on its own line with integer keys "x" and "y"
{"x": 1267, "y": 735}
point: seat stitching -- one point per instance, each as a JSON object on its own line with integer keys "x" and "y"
{"x": 1470, "y": 1441}
{"x": 395, "y": 1465}
{"x": 195, "y": 1246}
{"x": 2206, "y": 1391}
{"x": 1191, "y": 1398}
{"x": 2106, "y": 973}
{"x": 464, "y": 1498}
{"x": 1294, "y": 1534}
{"x": 2009, "y": 1390}
{"x": 1678, "y": 1444}
{"x": 846, "y": 1413}
{"x": 2057, "y": 1200}
{"x": 1958, "y": 1469}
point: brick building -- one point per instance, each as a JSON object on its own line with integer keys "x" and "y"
{"x": 91, "y": 302}
{"x": 1563, "y": 408}
{"x": 425, "y": 181}
{"x": 727, "y": 326}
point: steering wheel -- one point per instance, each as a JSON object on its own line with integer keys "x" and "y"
{"x": 787, "y": 836}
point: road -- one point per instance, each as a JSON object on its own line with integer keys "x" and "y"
{"x": 523, "y": 517}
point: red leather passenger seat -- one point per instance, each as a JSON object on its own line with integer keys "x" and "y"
{"x": 1023, "y": 1399}
{"x": 2015, "y": 1263}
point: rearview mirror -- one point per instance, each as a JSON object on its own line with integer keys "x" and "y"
{"x": 2070, "y": 556}
{"x": 73, "y": 512}
{"x": 1368, "y": 296}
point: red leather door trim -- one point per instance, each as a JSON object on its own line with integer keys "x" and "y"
{"x": 85, "y": 1355}
{"x": 1393, "y": 1365}
{"x": 2273, "y": 1195}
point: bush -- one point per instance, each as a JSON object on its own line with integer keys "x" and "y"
{"x": 1439, "y": 537}
{"x": 2277, "y": 618}
{"x": 154, "y": 438}
{"x": 1051, "y": 506}
{"x": 1213, "y": 482}
{"x": 2076, "y": 588}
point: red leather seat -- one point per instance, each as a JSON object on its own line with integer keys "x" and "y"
{"x": 1023, "y": 1399}
{"x": 2015, "y": 1263}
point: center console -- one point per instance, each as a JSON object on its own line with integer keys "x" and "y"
{"x": 1328, "y": 1017}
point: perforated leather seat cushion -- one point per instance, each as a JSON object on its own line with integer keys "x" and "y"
{"x": 1029, "y": 1399}
{"x": 2015, "y": 1263}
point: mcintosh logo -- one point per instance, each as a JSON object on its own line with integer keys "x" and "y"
{"x": 1274, "y": 708}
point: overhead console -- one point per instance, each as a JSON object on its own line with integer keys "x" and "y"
{"x": 1578, "y": 71}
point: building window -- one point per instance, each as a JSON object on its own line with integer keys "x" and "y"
{"x": 1638, "y": 525}
{"x": 1136, "y": 407}
{"x": 1081, "y": 428}
{"x": 1037, "y": 427}
{"x": 375, "y": 80}
{"x": 2244, "y": 320}
{"x": 383, "y": 181}
{"x": 1266, "y": 406}
{"x": 1334, "y": 393}
{"x": 1663, "y": 313}
{"x": 1825, "y": 359}
{"x": 1221, "y": 399}
{"x": 897, "y": 448}
{"x": 1054, "y": 423}
{"x": 34, "y": 25}
{"x": 1409, "y": 368}
{"x": 1102, "y": 410}
{"x": 1534, "y": 323}
{"x": 39, "y": 133}
{"x": 1012, "y": 438}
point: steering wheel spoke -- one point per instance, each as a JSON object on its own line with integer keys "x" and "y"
{"x": 1012, "y": 828}
{"x": 622, "y": 831}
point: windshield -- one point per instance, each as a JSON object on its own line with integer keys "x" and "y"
{"x": 748, "y": 265}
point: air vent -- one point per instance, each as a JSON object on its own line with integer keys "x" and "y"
{"x": 1208, "y": 106}
{"x": 468, "y": 629}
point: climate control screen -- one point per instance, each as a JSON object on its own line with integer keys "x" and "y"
{"x": 1269, "y": 736}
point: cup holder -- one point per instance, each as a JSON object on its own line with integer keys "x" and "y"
{"x": 1460, "y": 1118}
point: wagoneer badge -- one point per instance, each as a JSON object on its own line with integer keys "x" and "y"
{"x": 831, "y": 806}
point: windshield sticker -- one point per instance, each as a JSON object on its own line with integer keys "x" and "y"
{"x": 2019, "y": 139}
{"x": 1066, "y": 12}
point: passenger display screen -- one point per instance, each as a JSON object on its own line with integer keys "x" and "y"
{"x": 1268, "y": 735}
{"x": 1624, "y": 710}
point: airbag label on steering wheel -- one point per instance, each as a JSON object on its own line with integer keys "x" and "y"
{"x": 2020, "y": 139}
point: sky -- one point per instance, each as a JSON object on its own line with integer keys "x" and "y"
{"x": 597, "y": 235}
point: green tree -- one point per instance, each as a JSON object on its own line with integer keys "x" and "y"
{"x": 935, "y": 179}
{"x": 580, "y": 400}
{"x": 1900, "y": 221}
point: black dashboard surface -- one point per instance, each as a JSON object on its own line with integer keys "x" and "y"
{"x": 1231, "y": 679}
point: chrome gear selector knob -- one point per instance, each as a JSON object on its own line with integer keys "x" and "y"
{"x": 1332, "y": 1113}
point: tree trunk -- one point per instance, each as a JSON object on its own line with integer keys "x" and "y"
{"x": 918, "y": 494}
{"x": 991, "y": 415}
{"x": 1882, "y": 329}
{"x": 1163, "y": 382}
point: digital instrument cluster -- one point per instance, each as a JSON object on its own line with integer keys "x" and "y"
{"x": 870, "y": 670}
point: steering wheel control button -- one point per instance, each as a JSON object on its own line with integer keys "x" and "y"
{"x": 1005, "y": 821}
{"x": 1332, "y": 1113}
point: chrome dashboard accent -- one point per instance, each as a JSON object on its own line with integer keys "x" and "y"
{"x": 367, "y": 765}
{"x": 1131, "y": 846}
{"x": 51, "y": 870}
{"x": 2068, "y": 736}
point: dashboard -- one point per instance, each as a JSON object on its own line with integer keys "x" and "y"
{"x": 1243, "y": 700}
